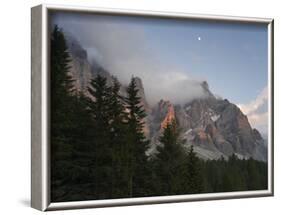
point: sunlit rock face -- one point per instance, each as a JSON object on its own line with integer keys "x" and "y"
{"x": 170, "y": 115}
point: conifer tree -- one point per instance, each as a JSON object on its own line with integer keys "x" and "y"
{"x": 99, "y": 110}
{"x": 69, "y": 126}
{"x": 71, "y": 132}
{"x": 194, "y": 177}
{"x": 61, "y": 114}
{"x": 61, "y": 82}
{"x": 137, "y": 143}
{"x": 170, "y": 163}
{"x": 118, "y": 144}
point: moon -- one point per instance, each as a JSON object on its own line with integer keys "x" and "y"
{"x": 199, "y": 38}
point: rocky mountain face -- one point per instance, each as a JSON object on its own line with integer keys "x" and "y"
{"x": 81, "y": 69}
{"x": 215, "y": 127}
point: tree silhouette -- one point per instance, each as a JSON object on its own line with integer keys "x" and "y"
{"x": 137, "y": 143}
{"x": 170, "y": 163}
{"x": 194, "y": 177}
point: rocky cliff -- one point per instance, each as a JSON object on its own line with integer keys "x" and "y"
{"x": 215, "y": 128}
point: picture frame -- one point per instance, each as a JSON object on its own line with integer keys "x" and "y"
{"x": 40, "y": 78}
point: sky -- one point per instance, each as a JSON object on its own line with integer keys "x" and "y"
{"x": 174, "y": 56}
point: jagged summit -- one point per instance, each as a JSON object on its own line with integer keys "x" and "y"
{"x": 205, "y": 86}
{"x": 215, "y": 127}
{"x": 206, "y": 89}
{"x": 140, "y": 87}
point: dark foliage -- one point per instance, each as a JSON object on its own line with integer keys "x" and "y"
{"x": 137, "y": 143}
{"x": 234, "y": 175}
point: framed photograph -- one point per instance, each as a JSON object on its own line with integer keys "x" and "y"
{"x": 141, "y": 107}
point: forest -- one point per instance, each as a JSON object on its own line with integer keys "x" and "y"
{"x": 98, "y": 146}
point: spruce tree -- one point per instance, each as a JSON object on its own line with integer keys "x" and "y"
{"x": 61, "y": 115}
{"x": 99, "y": 104}
{"x": 169, "y": 163}
{"x": 71, "y": 129}
{"x": 194, "y": 177}
{"x": 61, "y": 82}
{"x": 118, "y": 144}
{"x": 137, "y": 144}
{"x": 83, "y": 177}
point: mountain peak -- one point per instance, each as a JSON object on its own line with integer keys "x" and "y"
{"x": 206, "y": 89}
{"x": 141, "y": 92}
{"x": 205, "y": 85}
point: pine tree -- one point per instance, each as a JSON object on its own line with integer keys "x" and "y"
{"x": 61, "y": 82}
{"x": 170, "y": 163}
{"x": 118, "y": 131}
{"x": 137, "y": 143}
{"x": 194, "y": 177}
{"x": 70, "y": 125}
{"x": 99, "y": 105}
{"x": 71, "y": 129}
{"x": 61, "y": 115}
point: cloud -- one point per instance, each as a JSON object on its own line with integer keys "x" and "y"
{"x": 259, "y": 120}
{"x": 257, "y": 111}
{"x": 254, "y": 105}
{"x": 123, "y": 49}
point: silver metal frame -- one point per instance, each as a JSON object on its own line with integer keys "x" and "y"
{"x": 40, "y": 152}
